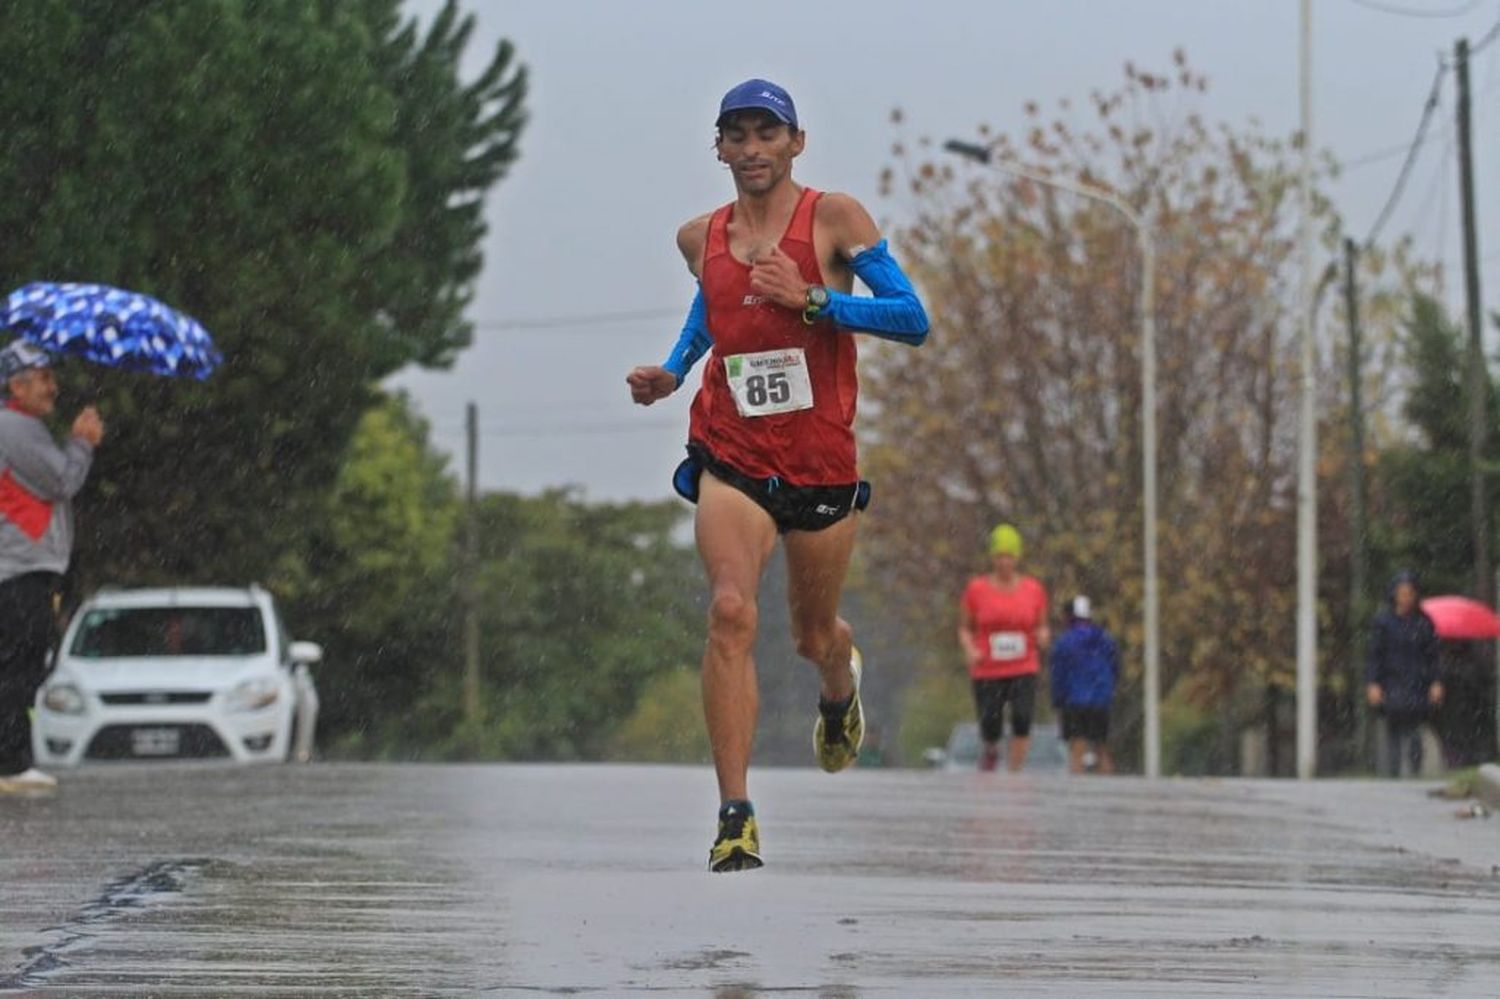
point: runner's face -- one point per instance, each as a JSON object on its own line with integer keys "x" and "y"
{"x": 1005, "y": 565}
{"x": 758, "y": 149}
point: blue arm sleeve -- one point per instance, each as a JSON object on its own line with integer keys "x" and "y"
{"x": 895, "y": 313}
{"x": 694, "y": 341}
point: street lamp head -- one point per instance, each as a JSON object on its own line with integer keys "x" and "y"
{"x": 969, "y": 150}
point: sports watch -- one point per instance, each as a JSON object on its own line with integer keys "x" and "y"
{"x": 817, "y": 301}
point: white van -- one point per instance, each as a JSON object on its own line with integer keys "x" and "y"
{"x": 177, "y": 673}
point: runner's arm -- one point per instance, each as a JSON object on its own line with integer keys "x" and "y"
{"x": 967, "y": 640}
{"x": 653, "y": 382}
{"x": 894, "y": 313}
{"x": 694, "y": 341}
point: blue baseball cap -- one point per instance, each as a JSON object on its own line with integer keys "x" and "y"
{"x": 759, "y": 95}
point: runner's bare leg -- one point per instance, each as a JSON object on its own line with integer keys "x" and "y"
{"x": 735, "y": 537}
{"x": 1015, "y": 753}
{"x": 816, "y": 564}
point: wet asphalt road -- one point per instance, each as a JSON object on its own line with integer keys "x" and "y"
{"x": 406, "y": 880}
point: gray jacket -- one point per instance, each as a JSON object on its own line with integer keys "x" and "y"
{"x": 38, "y": 480}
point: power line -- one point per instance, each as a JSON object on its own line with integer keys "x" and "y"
{"x": 1489, "y": 36}
{"x": 566, "y": 429}
{"x": 1390, "y": 8}
{"x": 1411, "y": 157}
{"x": 582, "y": 320}
{"x": 1436, "y": 188}
{"x": 570, "y": 408}
{"x": 1389, "y": 152}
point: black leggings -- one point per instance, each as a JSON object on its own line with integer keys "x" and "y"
{"x": 990, "y": 698}
{"x": 27, "y": 629}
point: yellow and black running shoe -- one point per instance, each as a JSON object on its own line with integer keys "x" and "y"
{"x": 840, "y": 729}
{"x": 738, "y": 845}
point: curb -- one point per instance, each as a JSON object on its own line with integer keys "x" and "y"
{"x": 1487, "y": 785}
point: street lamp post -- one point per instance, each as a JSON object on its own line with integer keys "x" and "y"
{"x": 1152, "y": 679}
{"x": 1307, "y": 435}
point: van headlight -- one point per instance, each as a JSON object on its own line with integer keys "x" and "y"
{"x": 64, "y": 699}
{"x": 253, "y": 695}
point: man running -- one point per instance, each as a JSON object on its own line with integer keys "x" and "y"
{"x": 1002, "y": 630}
{"x": 771, "y": 439}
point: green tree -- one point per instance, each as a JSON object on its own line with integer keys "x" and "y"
{"x": 667, "y": 724}
{"x": 378, "y": 586}
{"x": 1423, "y": 509}
{"x": 589, "y": 614}
{"x": 582, "y": 607}
{"x": 306, "y": 178}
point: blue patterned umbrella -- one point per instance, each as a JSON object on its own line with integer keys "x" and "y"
{"x": 109, "y": 326}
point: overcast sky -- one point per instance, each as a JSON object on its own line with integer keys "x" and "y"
{"x": 617, "y": 155}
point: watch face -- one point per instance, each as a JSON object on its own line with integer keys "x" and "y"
{"x": 817, "y": 296}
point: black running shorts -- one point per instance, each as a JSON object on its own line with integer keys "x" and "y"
{"x": 792, "y": 508}
{"x": 1089, "y": 724}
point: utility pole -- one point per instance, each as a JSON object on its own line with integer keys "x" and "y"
{"x": 1358, "y": 564}
{"x": 1307, "y": 440}
{"x": 1478, "y": 503}
{"x": 473, "y": 707}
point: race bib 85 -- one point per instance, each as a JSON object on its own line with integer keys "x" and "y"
{"x": 769, "y": 381}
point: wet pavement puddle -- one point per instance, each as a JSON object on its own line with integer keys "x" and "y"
{"x": 155, "y": 884}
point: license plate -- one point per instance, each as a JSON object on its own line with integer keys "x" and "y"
{"x": 155, "y": 741}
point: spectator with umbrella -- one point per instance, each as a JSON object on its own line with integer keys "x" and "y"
{"x": 1466, "y": 721}
{"x": 37, "y": 488}
{"x": 39, "y": 478}
{"x": 1402, "y": 676}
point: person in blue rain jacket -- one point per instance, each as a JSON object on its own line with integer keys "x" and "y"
{"x": 1085, "y": 666}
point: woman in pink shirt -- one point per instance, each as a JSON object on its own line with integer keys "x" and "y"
{"x": 1002, "y": 631}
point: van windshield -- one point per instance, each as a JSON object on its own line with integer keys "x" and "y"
{"x": 118, "y": 632}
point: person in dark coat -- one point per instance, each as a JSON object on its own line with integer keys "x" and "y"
{"x": 1403, "y": 680}
{"x": 1084, "y": 668}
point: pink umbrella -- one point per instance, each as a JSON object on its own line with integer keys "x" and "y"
{"x": 1462, "y": 618}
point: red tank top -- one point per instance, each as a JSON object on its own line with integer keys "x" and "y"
{"x": 805, "y": 447}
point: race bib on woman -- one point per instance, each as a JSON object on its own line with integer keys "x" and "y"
{"x": 1007, "y": 645}
{"x": 769, "y": 381}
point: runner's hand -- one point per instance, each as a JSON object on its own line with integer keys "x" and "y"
{"x": 973, "y": 653}
{"x": 1374, "y": 695}
{"x": 650, "y": 383}
{"x": 776, "y": 276}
